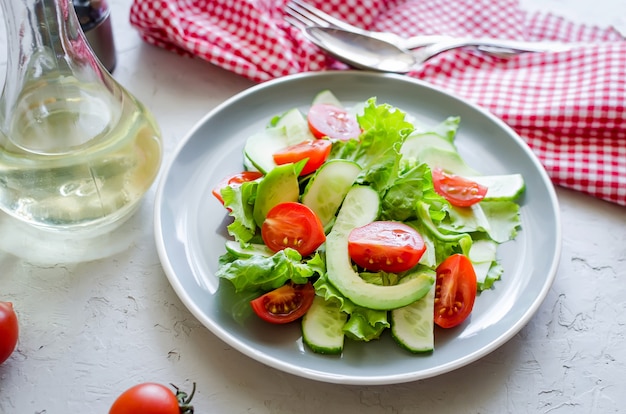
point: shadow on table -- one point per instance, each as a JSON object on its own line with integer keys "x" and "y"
{"x": 41, "y": 246}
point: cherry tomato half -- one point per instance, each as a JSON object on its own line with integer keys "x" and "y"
{"x": 459, "y": 191}
{"x": 153, "y": 398}
{"x": 234, "y": 181}
{"x": 389, "y": 246}
{"x": 285, "y": 304}
{"x": 9, "y": 330}
{"x": 455, "y": 291}
{"x": 332, "y": 121}
{"x": 316, "y": 151}
{"x": 294, "y": 225}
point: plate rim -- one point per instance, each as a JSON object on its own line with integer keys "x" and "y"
{"x": 269, "y": 361}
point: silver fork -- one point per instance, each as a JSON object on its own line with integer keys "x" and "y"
{"x": 309, "y": 15}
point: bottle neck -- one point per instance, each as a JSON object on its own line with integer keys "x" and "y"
{"x": 40, "y": 33}
{"x": 44, "y": 40}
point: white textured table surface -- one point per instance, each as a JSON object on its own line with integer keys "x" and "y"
{"x": 91, "y": 330}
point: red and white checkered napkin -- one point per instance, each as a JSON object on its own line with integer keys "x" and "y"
{"x": 568, "y": 106}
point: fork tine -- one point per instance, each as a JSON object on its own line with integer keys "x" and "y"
{"x": 304, "y": 16}
{"x": 321, "y": 18}
{"x": 298, "y": 24}
{"x": 293, "y": 15}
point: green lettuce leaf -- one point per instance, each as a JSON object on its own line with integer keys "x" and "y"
{"x": 264, "y": 273}
{"x": 503, "y": 217}
{"x": 377, "y": 150}
{"x": 366, "y": 324}
{"x": 448, "y": 128}
{"x": 494, "y": 274}
{"x": 413, "y": 184}
{"x": 240, "y": 202}
{"x": 363, "y": 324}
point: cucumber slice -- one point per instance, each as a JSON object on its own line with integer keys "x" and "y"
{"x": 359, "y": 208}
{"x": 280, "y": 185}
{"x": 436, "y": 151}
{"x": 296, "y": 127}
{"x": 417, "y": 142}
{"x": 412, "y": 326}
{"x": 482, "y": 254}
{"x": 449, "y": 161}
{"x": 248, "y": 165}
{"x": 260, "y": 148}
{"x": 326, "y": 97}
{"x": 292, "y": 128}
{"x": 501, "y": 187}
{"x": 322, "y": 327}
{"x": 328, "y": 187}
{"x": 237, "y": 249}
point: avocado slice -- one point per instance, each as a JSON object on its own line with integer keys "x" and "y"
{"x": 280, "y": 185}
{"x": 359, "y": 208}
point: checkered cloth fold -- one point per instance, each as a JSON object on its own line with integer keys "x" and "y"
{"x": 568, "y": 106}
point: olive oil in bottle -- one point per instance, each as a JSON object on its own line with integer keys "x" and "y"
{"x": 77, "y": 150}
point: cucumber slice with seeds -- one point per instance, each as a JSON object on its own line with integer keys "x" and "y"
{"x": 328, "y": 187}
{"x": 412, "y": 326}
{"x": 322, "y": 327}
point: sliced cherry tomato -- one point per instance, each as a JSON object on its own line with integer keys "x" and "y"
{"x": 285, "y": 304}
{"x": 153, "y": 398}
{"x": 316, "y": 151}
{"x": 455, "y": 291}
{"x": 234, "y": 181}
{"x": 389, "y": 246}
{"x": 332, "y": 121}
{"x": 459, "y": 191}
{"x": 292, "y": 225}
{"x": 9, "y": 330}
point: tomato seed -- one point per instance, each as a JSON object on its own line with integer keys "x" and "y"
{"x": 281, "y": 308}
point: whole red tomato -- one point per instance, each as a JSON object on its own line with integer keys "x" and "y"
{"x": 153, "y": 398}
{"x": 9, "y": 330}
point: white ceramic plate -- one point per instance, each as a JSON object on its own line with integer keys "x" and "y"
{"x": 190, "y": 230}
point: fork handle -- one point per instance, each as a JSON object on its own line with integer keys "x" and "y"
{"x": 493, "y": 45}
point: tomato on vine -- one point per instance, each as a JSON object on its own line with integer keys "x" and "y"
{"x": 153, "y": 398}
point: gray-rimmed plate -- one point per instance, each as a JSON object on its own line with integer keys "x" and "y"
{"x": 190, "y": 230}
